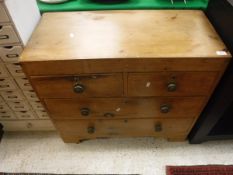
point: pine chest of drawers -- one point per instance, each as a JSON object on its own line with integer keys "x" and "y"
{"x": 135, "y": 73}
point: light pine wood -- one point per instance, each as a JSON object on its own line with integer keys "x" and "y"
{"x": 85, "y": 66}
{"x": 75, "y": 130}
{"x": 174, "y": 40}
{"x": 125, "y": 59}
{"x": 95, "y": 85}
{"x": 124, "y": 107}
{"x": 155, "y": 84}
{"x": 123, "y": 34}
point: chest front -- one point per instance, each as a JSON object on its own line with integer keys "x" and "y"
{"x": 124, "y": 73}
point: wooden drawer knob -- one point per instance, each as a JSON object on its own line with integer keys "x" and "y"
{"x": 171, "y": 87}
{"x": 85, "y": 111}
{"x": 165, "y": 108}
{"x": 79, "y": 88}
{"x": 91, "y": 129}
{"x": 158, "y": 127}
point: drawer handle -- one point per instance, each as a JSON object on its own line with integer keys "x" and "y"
{"x": 79, "y": 88}
{"x": 171, "y": 87}
{"x": 85, "y": 111}
{"x": 2, "y": 37}
{"x": 109, "y": 115}
{"x": 165, "y": 108}
{"x": 158, "y": 127}
{"x": 91, "y": 129}
{"x": 12, "y": 55}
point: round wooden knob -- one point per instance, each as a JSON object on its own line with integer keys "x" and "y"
{"x": 165, "y": 108}
{"x": 109, "y": 115}
{"x": 91, "y": 129}
{"x": 158, "y": 127}
{"x": 171, "y": 87}
{"x": 85, "y": 111}
{"x": 79, "y": 88}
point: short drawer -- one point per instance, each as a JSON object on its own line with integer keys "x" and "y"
{"x": 171, "y": 83}
{"x": 83, "y": 129}
{"x": 4, "y": 107}
{"x": 115, "y": 108}
{"x": 26, "y": 115}
{"x": 7, "y": 115}
{"x": 3, "y": 14}
{"x": 10, "y": 53}
{"x": 8, "y": 35}
{"x": 7, "y": 84}
{"x": 77, "y": 86}
{"x": 37, "y": 105}
{"x": 30, "y": 95}
{"x": 23, "y": 83}
{"x": 3, "y": 71}
{"x": 15, "y": 69}
{"x": 42, "y": 114}
{"x": 12, "y": 95}
{"x": 19, "y": 105}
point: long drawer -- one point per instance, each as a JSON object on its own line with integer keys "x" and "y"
{"x": 171, "y": 83}
{"x": 100, "y": 85}
{"x": 73, "y": 130}
{"x": 115, "y": 108}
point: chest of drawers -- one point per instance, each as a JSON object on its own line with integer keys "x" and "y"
{"x": 124, "y": 73}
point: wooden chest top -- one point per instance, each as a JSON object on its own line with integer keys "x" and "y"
{"x": 124, "y": 34}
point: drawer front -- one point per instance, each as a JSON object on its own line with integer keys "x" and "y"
{"x": 171, "y": 83}
{"x": 23, "y": 83}
{"x": 7, "y": 115}
{"x": 42, "y": 114}
{"x": 30, "y": 95}
{"x": 8, "y": 35}
{"x": 27, "y": 114}
{"x": 14, "y": 95}
{"x": 3, "y": 71}
{"x": 3, "y": 14}
{"x": 37, "y": 105}
{"x": 10, "y": 53}
{"x": 71, "y": 87}
{"x": 15, "y": 69}
{"x": 78, "y": 129}
{"x": 110, "y": 108}
{"x": 19, "y": 105}
{"x": 7, "y": 84}
{"x": 4, "y": 106}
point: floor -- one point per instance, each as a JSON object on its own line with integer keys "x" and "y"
{"x": 44, "y": 152}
